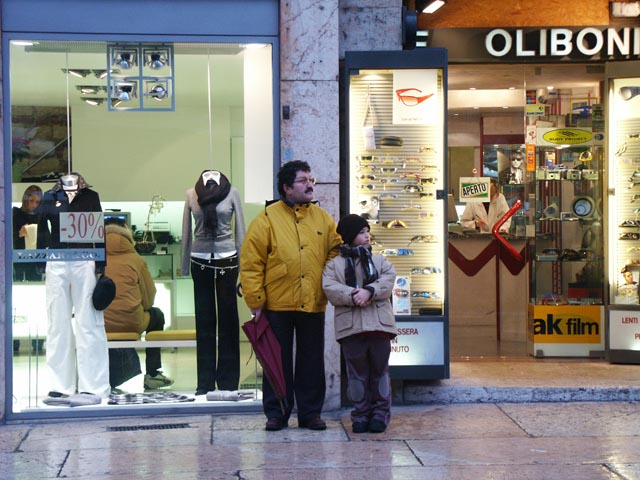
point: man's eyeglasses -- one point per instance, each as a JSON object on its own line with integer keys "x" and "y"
{"x": 303, "y": 181}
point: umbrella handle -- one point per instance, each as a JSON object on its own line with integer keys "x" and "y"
{"x": 282, "y": 407}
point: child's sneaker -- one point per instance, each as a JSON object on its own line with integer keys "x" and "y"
{"x": 157, "y": 381}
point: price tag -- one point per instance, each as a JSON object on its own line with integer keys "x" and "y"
{"x": 81, "y": 227}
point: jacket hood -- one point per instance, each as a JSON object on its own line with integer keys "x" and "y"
{"x": 119, "y": 239}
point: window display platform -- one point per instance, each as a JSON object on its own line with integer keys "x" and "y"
{"x": 179, "y": 364}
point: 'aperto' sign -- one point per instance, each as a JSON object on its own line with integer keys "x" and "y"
{"x": 564, "y": 136}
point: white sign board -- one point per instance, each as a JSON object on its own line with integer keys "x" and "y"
{"x": 82, "y": 227}
{"x": 624, "y": 330}
{"x": 418, "y": 343}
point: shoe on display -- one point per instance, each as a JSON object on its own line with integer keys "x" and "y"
{"x": 157, "y": 381}
{"x": 56, "y": 399}
{"x": 377, "y": 426}
{"x": 360, "y": 427}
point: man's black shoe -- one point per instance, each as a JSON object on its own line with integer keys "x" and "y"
{"x": 360, "y": 427}
{"x": 377, "y": 426}
{"x": 314, "y": 424}
{"x": 274, "y": 424}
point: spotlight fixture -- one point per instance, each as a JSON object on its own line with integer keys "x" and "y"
{"x": 155, "y": 60}
{"x": 157, "y": 57}
{"x": 432, "y": 6}
{"x": 125, "y": 58}
{"x": 93, "y": 101}
{"x": 90, "y": 89}
{"x": 146, "y": 81}
{"x": 126, "y": 91}
{"x": 77, "y": 72}
{"x": 158, "y": 92}
{"x": 103, "y": 73}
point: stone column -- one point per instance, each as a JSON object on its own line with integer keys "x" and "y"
{"x": 313, "y": 37}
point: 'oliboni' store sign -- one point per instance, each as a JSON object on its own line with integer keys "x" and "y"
{"x": 560, "y": 42}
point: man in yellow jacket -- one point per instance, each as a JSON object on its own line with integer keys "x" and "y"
{"x": 284, "y": 252}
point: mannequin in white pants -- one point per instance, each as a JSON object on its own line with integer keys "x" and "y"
{"x": 77, "y": 354}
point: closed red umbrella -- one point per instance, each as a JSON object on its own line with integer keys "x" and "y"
{"x": 268, "y": 352}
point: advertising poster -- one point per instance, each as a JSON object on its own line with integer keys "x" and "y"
{"x": 415, "y": 97}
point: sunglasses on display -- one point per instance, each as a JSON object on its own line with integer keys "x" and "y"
{"x": 427, "y": 194}
{"x": 426, "y": 149}
{"x": 368, "y": 186}
{"x": 397, "y": 252}
{"x": 629, "y": 236}
{"x": 633, "y": 136}
{"x": 423, "y": 239}
{"x": 388, "y": 196}
{"x": 415, "y": 188}
{"x": 425, "y": 270}
{"x": 432, "y": 180}
{"x": 400, "y": 292}
{"x": 427, "y": 214}
{"x": 411, "y": 206}
{"x": 365, "y": 176}
{"x": 397, "y": 224}
{"x": 388, "y": 169}
{"x": 366, "y": 168}
{"x": 426, "y": 294}
{"x": 388, "y": 180}
{"x": 635, "y": 197}
{"x": 630, "y": 223}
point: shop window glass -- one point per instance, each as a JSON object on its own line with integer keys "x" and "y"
{"x": 140, "y": 163}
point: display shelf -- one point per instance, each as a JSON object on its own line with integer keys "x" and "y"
{"x": 567, "y": 257}
{"x": 395, "y": 178}
{"x": 396, "y": 189}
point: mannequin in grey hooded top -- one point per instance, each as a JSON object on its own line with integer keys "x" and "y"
{"x": 212, "y": 233}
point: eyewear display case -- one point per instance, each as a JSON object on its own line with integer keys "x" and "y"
{"x": 395, "y": 175}
{"x": 566, "y": 310}
{"x": 623, "y": 326}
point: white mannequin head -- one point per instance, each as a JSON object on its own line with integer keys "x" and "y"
{"x": 211, "y": 175}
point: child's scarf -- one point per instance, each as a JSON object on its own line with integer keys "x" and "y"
{"x": 366, "y": 262}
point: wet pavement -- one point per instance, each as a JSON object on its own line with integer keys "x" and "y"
{"x": 577, "y": 440}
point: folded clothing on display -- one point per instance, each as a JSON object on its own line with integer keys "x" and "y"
{"x": 155, "y": 397}
{"x": 230, "y": 395}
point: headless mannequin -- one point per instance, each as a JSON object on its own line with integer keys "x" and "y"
{"x": 210, "y": 245}
{"x": 77, "y": 356}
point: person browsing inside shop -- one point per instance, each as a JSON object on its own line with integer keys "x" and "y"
{"x": 482, "y": 216}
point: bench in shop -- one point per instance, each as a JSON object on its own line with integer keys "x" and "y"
{"x": 164, "y": 338}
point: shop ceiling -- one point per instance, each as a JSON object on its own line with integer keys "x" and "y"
{"x": 40, "y": 79}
